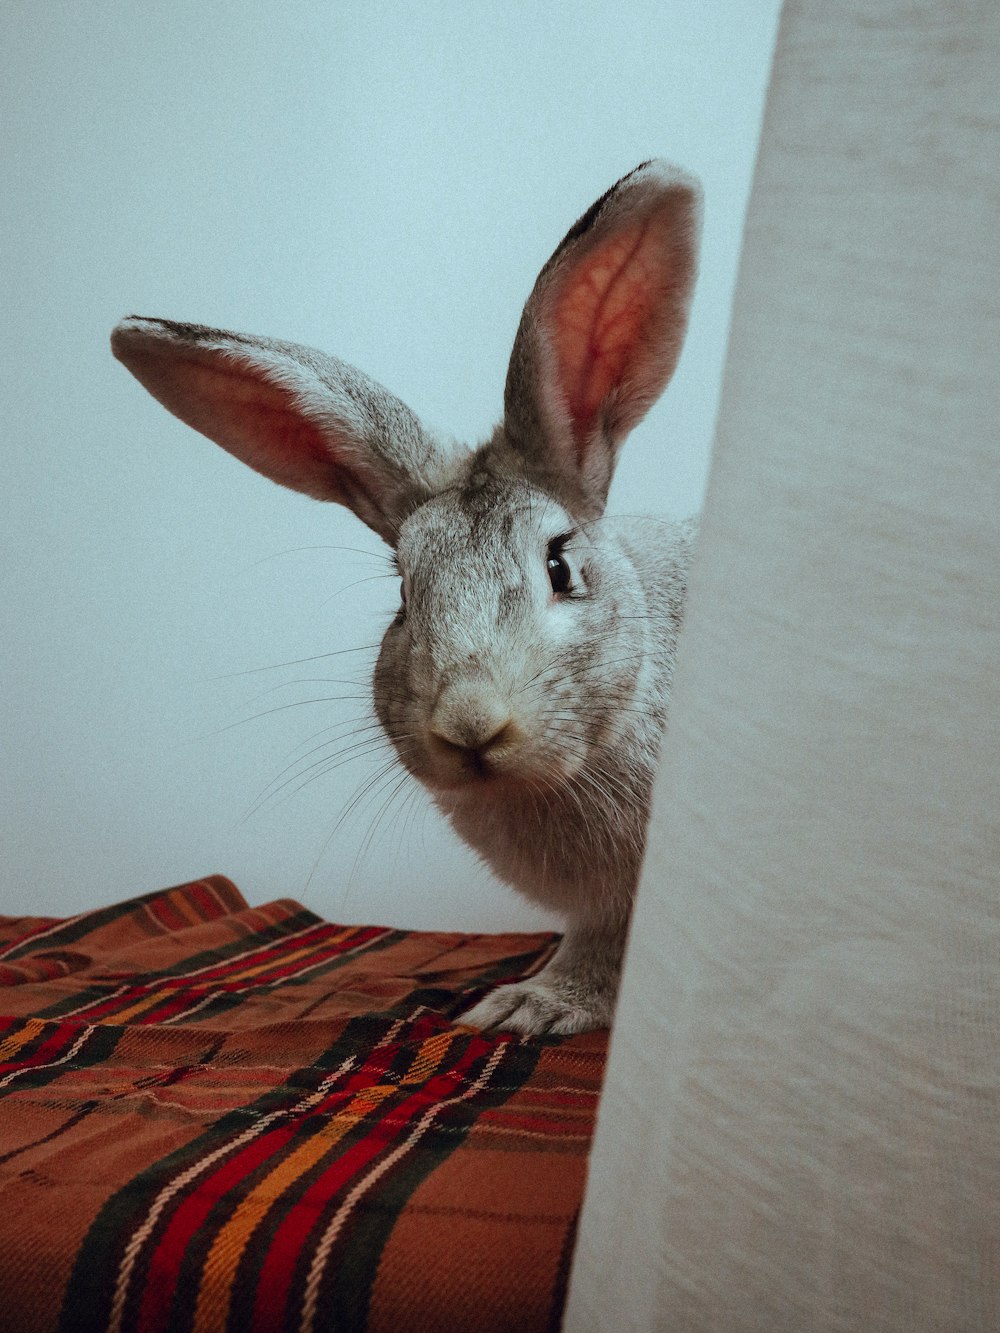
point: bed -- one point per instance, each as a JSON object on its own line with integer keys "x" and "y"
{"x": 220, "y": 1116}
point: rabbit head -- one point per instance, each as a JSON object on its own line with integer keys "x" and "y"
{"x": 517, "y": 666}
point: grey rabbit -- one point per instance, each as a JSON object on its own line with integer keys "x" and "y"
{"x": 525, "y": 677}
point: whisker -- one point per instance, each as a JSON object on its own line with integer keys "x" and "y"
{"x": 328, "y": 764}
{"x": 580, "y": 668}
{"x": 356, "y": 726}
{"x": 306, "y": 680}
{"x": 319, "y": 769}
{"x": 298, "y": 703}
{"x": 369, "y": 837}
{"x": 295, "y": 550}
{"x": 371, "y": 578}
{"x": 365, "y": 790}
{"x": 297, "y": 661}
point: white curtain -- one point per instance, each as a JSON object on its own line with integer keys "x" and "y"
{"x": 801, "y": 1123}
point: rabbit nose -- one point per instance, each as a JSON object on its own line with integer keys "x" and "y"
{"x": 466, "y": 725}
{"x": 471, "y": 741}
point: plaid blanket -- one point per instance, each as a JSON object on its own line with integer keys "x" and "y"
{"x": 216, "y": 1116}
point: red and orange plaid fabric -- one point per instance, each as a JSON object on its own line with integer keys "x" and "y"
{"x": 216, "y": 1116}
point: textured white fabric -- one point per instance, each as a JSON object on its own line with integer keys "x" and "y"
{"x": 801, "y": 1124}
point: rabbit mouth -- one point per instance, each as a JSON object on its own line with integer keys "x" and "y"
{"x": 474, "y": 775}
{"x": 510, "y": 767}
{"x": 452, "y": 765}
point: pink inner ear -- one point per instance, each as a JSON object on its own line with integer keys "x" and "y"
{"x": 604, "y": 317}
{"x": 263, "y": 425}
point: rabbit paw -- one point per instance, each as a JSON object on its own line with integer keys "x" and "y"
{"x": 537, "y": 1007}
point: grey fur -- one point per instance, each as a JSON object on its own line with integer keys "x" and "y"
{"x": 532, "y": 712}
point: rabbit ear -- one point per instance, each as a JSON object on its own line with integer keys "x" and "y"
{"x": 298, "y": 416}
{"x": 602, "y": 331}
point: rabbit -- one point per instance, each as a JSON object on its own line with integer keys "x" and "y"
{"x": 525, "y": 677}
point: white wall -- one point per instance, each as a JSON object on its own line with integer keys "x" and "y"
{"x": 380, "y": 180}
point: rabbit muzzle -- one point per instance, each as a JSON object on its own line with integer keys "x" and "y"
{"x": 472, "y": 734}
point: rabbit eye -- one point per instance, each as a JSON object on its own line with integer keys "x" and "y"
{"x": 401, "y": 613}
{"x": 560, "y": 575}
